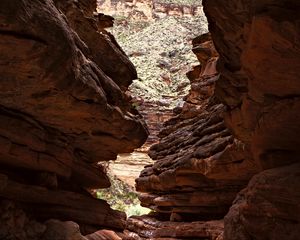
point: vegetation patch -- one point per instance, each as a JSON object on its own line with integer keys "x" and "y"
{"x": 122, "y": 197}
{"x": 161, "y": 53}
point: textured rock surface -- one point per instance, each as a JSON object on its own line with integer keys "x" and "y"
{"x": 196, "y": 156}
{"x": 103, "y": 235}
{"x": 162, "y": 54}
{"x": 268, "y": 208}
{"x": 193, "y": 177}
{"x": 258, "y": 43}
{"x": 260, "y": 74}
{"x": 128, "y": 167}
{"x": 62, "y": 109}
{"x": 150, "y": 228}
{"x": 199, "y": 165}
{"x": 14, "y": 224}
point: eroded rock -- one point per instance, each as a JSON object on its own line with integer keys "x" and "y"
{"x": 193, "y": 177}
{"x": 63, "y": 109}
{"x": 268, "y": 207}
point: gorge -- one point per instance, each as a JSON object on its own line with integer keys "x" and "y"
{"x": 225, "y": 164}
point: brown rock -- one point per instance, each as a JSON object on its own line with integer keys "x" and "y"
{"x": 147, "y": 10}
{"x": 258, "y": 57}
{"x": 93, "y": 96}
{"x": 258, "y": 43}
{"x": 268, "y": 208}
{"x": 63, "y": 205}
{"x": 193, "y": 176}
{"x": 151, "y": 228}
{"x": 103, "y": 235}
{"x": 15, "y": 224}
{"x": 62, "y": 231}
{"x": 63, "y": 110}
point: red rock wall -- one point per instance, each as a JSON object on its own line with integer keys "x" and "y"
{"x": 259, "y": 45}
{"x": 192, "y": 177}
{"x": 62, "y": 110}
{"x": 234, "y": 146}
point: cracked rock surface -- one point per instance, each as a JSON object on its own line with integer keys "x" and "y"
{"x": 63, "y": 109}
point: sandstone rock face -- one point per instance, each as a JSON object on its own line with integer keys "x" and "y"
{"x": 137, "y": 9}
{"x": 62, "y": 231}
{"x": 236, "y": 127}
{"x": 128, "y": 166}
{"x": 63, "y": 109}
{"x": 14, "y": 224}
{"x": 154, "y": 229}
{"x": 258, "y": 43}
{"x": 196, "y": 155}
{"x": 103, "y": 235}
{"x": 193, "y": 177}
{"x": 261, "y": 97}
{"x": 155, "y": 114}
{"x": 268, "y": 208}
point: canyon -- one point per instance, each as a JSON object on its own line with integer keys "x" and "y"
{"x": 149, "y": 9}
{"x": 225, "y": 162}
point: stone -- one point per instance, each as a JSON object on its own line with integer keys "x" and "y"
{"x": 63, "y": 111}
{"x": 15, "y": 224}
{"x": 103, "y": 235}
{"x": 64, "y": 205}
{"x": 268, "y": 207}
{"x": 192, "y": 176}
{"x": 149, "y": 9}
{"x": 258, "y": 43}
{"x": 62, "y": 231}
{"x": 151, "y": 228}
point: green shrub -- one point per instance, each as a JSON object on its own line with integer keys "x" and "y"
{"x": 122, "y": 197}
{"x": 136, "y": 210}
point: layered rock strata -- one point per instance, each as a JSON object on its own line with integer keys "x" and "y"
{"x": 62, "y": 110}
{"x": 193, "y": 178}
{"x": 258, "y": 43}
{"x": 241, "y": 133}
{"x": 151, "y": 228}
{"x": 155, "y": 114}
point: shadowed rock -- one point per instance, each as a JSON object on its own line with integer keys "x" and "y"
{"x": 62, "y": 110}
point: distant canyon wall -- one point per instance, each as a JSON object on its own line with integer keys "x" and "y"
{"x": 148, "y": 9}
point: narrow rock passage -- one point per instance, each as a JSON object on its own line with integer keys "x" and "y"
{"x": 162, "y": 54}
{"x": 225, "y": 165}
{"x": 232, "y": 155}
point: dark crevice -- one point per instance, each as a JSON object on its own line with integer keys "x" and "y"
{"x": 21, "y": 35}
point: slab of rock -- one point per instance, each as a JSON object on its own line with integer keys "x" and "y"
{"x": 197, "y": 157}
{"x": 63, "y": 109}
{"x": 62, "y": 231}
{"x": 268, "y": 208}
{"x": 15, "y": 224}
{"x": 151, "y": 228}
{"x": 258, "y": 43}
{"x": 71, "y": 86}
{"x": 64, "y": 205}
{"x": 259, "y": 49}
{"x": 103, "y": 235}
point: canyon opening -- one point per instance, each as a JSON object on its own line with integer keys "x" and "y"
{"x": 149, "y": 119}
